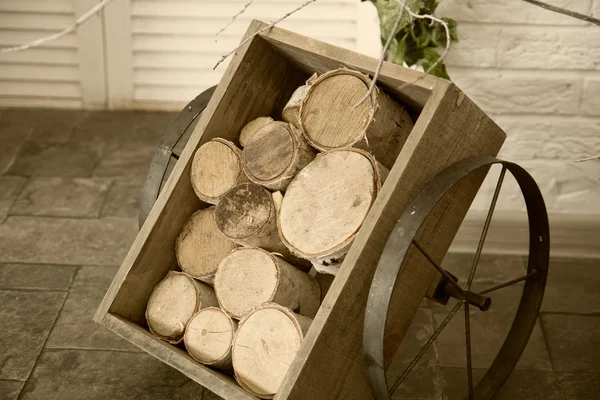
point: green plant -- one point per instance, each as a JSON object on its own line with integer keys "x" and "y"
{"x": 415, "y": 41}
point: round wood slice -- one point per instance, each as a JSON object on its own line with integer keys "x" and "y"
{"x": 264, "y": 347}
{"x": 216, "y": 168}
{"x": 173, "y": 302}
{"x": 246, "y": 215}
{"x": 252, "y": 127}
{"x": 275, "y": 154}
{"x": 201, "y": 246}
{"x": 250, "y": 277}
{"x": 208, "y": 337}
{"x": 326, "y": 204}
{"x": 330, "y": 117}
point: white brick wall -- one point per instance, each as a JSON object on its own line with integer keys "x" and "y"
{"x": 537, "y": 74}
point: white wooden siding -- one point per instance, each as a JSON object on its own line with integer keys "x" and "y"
{"x": 175, "y": 48}
{"x": 48, "y": 75}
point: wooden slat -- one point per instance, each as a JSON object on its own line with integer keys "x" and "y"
{"x": 91, "y": 57}
{"x": 119, "y": 54}
{"x": 145, "y": 265}
{"x": 216, "y": 382}
{"x": 38, "y": 6}
{"x": 33, "y": 72}
{"x": 449, "y": 128}
{"x": 203, "y": 44}
{"x": 166, "y": 77}
{"x": 38, "y": 21}
{"x": 40, "y": 89}
{"x": 333, "y": 12}
{"x": 41, "y": 56}
{"x": 169, "y": 94}
{"x": 11, "y": 37}
{"x": 319, "y": 57}
{"x": 49, "y": 102}
{"x": 191, "y": 26}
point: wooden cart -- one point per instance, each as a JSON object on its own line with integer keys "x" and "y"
{"x": 394, "y": 261}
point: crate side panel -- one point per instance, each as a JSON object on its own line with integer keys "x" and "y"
{"x": 219, "y": 383}
{"x": 260, "y": 85}
{"x": 312, "y": 55}
{"x": 449, "y": 129}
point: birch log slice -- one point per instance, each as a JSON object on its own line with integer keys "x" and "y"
{"x": 275, "y": 154}
{"x": 326, "y": 204}
{"x": 252, "y": 127}
{"x": 201, "y": 246}
{"x": 247, "y": 216}
{"x": 264, "y": 347}
{"x": 216, "y": 168}
{"x": 250, "y": 277}
{"x": 330, "y": 119}
{"x": 173, "y": 302}
{"x": 209, "y": 336}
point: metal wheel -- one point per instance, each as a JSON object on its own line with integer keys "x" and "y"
{"x": 169, "y": 149}
{"x": 392, "y": 261}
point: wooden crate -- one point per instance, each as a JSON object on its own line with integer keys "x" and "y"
{"x": 258, "y": 82}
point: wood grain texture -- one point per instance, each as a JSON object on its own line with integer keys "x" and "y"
{"x": 265, "y": 345}
{"x": 314, "y": 56}
{"x": 145, "y": 264}
{"x": 274, "y": 154}
{"x": 217, "y": 382}
{"x": 209, "y": 336}
{"x": 449, "y": 128}
{"x": 246, "y": 215}
{"x": 249, "y": 277}
{"x": 201, "y": 246}
{"x": 331, "y": 116}
{"x": 326, "y": 205}
{"x": 173, "y": 302}
{"x": 251, "y": 128}
{"x": 216, "y": 168}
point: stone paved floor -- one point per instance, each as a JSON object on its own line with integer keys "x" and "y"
{"x": 69, "y": 190}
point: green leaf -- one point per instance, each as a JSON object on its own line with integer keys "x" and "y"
{"x": 413, "y": 53}
{"x": 452, "y": 27}
{"x": 431, "y": 56}
{"x": 428, "y": 7}
{"x": 396, "y": 51}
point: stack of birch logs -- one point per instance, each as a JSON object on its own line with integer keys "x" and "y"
{"x": 294, "y": 197}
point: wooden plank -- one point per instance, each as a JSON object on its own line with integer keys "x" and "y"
{"x": 40, "y": 89}
{"x": 216, "y": 382}
{"x": 450, "y": 128}
{"x": 45, "y": 102}
{"x": 91, "y": 57}
{"x": 152, "y": 253}
{"x": 48, "y": 22}
{"x": 15, "y": 37}
{"x": 119, "y": 54}
{"x": 34, "y": 72}
{"x": 315, "y": 56}
{"x": 40, "y": 56}
{"x": 333, "y": 12}
{"x": 38, "y": 6}
{"x": 191, "y": 27}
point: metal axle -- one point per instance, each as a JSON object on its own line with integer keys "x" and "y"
{"x": 472, "y": 298}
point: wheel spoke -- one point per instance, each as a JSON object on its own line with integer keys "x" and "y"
{"x": 440, "y": 269}
{"x": 486, "y": 227}
{"x": 506, "y": 284}
{"x": 468, "y": 345}
{"x": 428, "y": 344}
